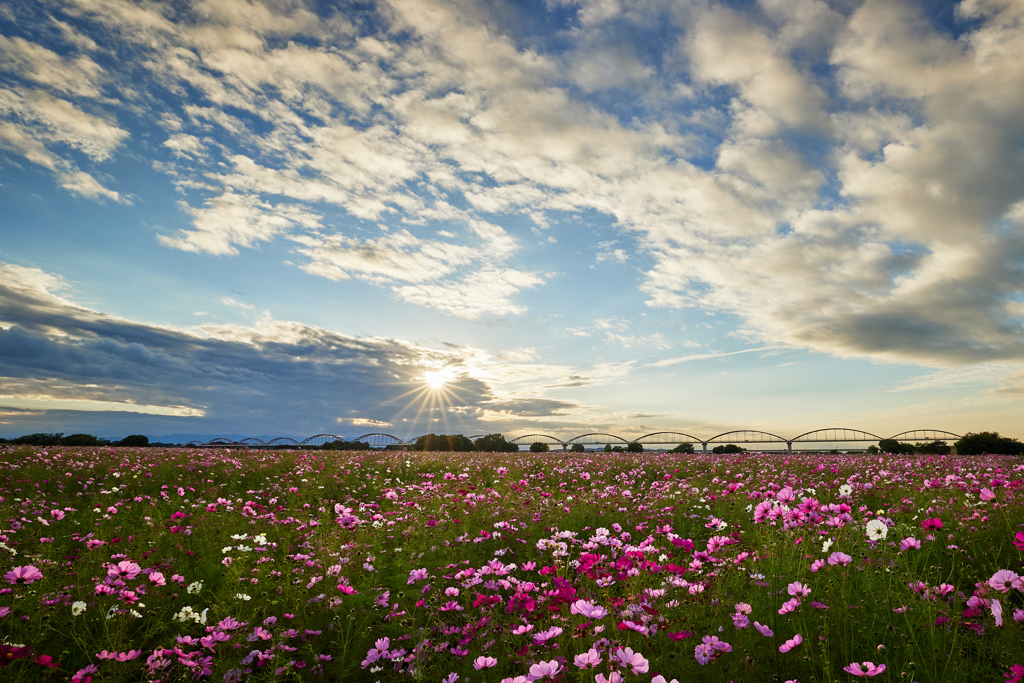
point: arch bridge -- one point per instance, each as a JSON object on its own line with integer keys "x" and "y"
{"x": 827, "y": 435}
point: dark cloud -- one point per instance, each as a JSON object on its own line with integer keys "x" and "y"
{"x": 276, "y": 377}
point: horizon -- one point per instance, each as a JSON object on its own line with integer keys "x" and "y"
{"x": 463, "y": 216}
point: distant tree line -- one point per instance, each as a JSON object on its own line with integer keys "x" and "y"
{"x": 969, "y": 444}
{"x": 58, "y": 439}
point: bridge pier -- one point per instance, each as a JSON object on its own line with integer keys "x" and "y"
{"x": 705, "y": 445}
{"x": 789, "y": 447}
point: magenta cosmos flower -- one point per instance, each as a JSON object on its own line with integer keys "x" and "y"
{"x": 865, "y": 669}
{"x": 26, "y": 574}
{"x": 931, "y": 523}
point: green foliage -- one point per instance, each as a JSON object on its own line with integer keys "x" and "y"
{"x": 456, "y": 443}
{"x": 578, "y": 448}
{"x": 685, "y": 447}
{"x": 872, "y": 449}
{"x": 635, "y": 447}
{"x": 495, "y": 443}
{"x": 728, "y": 448}
{"x": 134, "y": 441}
{"x": 988, "y": 442}
{"x": 538, "y": 447}
{"x": 607, "y": 448}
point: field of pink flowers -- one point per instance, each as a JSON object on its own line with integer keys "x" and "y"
{"x": 199, "y": 564}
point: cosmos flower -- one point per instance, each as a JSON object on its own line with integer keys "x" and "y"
{"x": 23, "y": 575}
{"x": 865, "y": 670}
{"x": 791, "y": 643}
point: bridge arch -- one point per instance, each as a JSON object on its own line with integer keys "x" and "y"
{"x": 595, "y": 438}
{"x": 668, "y": 437}
{"x": 528, "y": 439}
{"x": 283, "y": 441}
{"x": 253, "y": 441}
{"x": 926, "y": 435}
{"x": 320, "y": 439}
{"x": 220, "y": 441}
{"x": 747, "y": 436}
{"x": 835, "y": 435}
{"x": 380, "y": 440}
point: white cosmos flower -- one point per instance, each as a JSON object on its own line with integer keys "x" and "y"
{"x": 77, "y": 608}
{"x": 877, "y": 530}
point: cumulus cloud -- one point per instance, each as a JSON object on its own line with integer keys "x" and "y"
{"x": 847, "y": 181}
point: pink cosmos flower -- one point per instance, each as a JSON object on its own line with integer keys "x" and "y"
{"x": 931, "y": 523}
{"x": 1016, "y": 674}
{"x": 628, "y": 659}
{"x": 613, "y": 677}
{"x": 789, "y": 606}
{"x": 158, "y": 579}
{"x": 126, "y": 656}
{"x": 910, "y": 542}
{"x": 661, "y": 679}
{"x": 817, "y": 565}
{"x": 1004, "y": 579}
{"x": 1018, "y": 540}
{"x": 987, "y": 494}
{"x": 542, "y": 670}
{"x": 799, "y": 590}
{"x": 764, "y": 630}
{"x": 997, "y": 612}
{"x": 25, "y": 575}
{"x": 588, "y": 610}
{"x": 418, "y": 575}
{"x": 588, "y": 660}
{"x": 484, "y": 663}
{"x": 839, "y": 558}
{"x": 791, "y": 643}
{"x": 865, "y": 670}
{"x": 124, "y": 570}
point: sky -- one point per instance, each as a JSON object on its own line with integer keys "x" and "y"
{"x": 285, "y": 218}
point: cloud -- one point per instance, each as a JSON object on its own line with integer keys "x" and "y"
{"x": 59, "y": 358}
{"x": 847, "y": 182}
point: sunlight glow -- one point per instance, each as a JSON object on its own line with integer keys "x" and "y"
{"x": 436, "y": 379}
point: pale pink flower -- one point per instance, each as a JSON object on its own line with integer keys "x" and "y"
{"x": 588, "y": 660}
{"x": 661, "y": 679}
{"x": 997, "y": 612}
{"x": 799, "y": 590}
{"x": 125, "y": 570}
{"x": 158, "y": 579}
{"x": 588, "y": 610}
{"x": 817, "y": 565}
{"x": 542, "y": 670}
{"x": 764, "y": 630}
{"x": 987, "y": 494}
{"x": 1004, "y": 579}
{"x": 613, "y": 677}
{"x": 789, "y": 606}
{"x": 865, "y": 670}
{"x": 484, "y": 663}
{"x": 839, "y": 558}
{"x": 25, "y": 575}
{"x": 791, "y": 643}
{"x": 626, "y": 658}
{"x": 910, "y": 542}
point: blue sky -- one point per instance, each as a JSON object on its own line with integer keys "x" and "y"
{"x": 282, "y": 217}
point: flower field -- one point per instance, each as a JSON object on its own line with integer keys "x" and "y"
{"x": 197, "y": 564}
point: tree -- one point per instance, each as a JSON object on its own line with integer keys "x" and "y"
{"x": 538, "y": 447}
{"x": 134, "y": 441}
{"x": 935, "y": 448}
{"x": 635, "y": 447}
{"x": 578, "y": 448}
{"x": 444, "y": 442}
{"x": 896, "y": 447}
{"x": 342, "y": 445}
{"x": 872, "y": 449}
{"x": 607, "y": 448}
{"x": 40, "y": 439}
{"x": 495, "y": 443}
{"x": 82, "y": 440}
{"x": 728, "y": 448}
{"x": 685, "y": 447}
{"x": 988, "y": 442}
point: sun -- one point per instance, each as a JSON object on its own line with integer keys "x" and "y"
{"x": 436, "y": 379}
